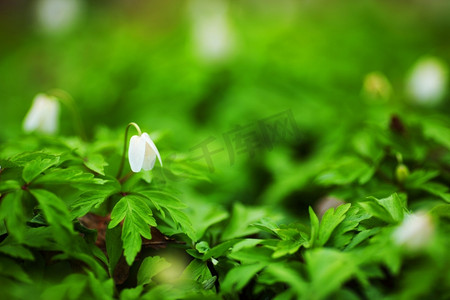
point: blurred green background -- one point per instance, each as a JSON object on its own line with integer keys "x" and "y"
{"x": 191, "y": 70}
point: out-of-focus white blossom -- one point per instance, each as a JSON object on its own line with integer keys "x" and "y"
{"x": 212, "y": 35}
{"x": 427, "y": 81}
{"x": 415, "y": 232}
{"x": 142, "y": 153}
{"x": 55, "y": 16}
{"x": 43, "y": 115}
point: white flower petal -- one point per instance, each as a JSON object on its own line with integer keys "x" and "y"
{"x": 50, "y": 119}
{"x": 152, "y": 145}
{"x": 43, "y": 115}
{"x": 136, "y": 153}
{"x": 32, "y": 119}
{"x": 415, "y": 231}
{"x": 149, "y": 158}
{"x": 427, "y": 81}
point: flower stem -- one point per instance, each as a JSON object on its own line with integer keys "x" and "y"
{"x": 69, "y": 102}
{"x": 125, "y": 144}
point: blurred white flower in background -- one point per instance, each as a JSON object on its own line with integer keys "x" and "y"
{"x": 427, "y": 81}
{"x": 212, "y": 35}
{"x": 415, "y": 232}
{"x": 43, "y": 115}
{"x": 142, "y": 153}
{"x": 56, "y": 16}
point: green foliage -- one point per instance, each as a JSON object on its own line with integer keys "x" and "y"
{"x": 137, "y": 218}
{"x": 314, "y": 206}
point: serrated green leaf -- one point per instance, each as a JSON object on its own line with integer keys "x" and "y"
{"x": 137, "y": 218}
{"x": 91, "y": 199}
{"x": 330, "y": 220}
{"x": 35, "y": 167}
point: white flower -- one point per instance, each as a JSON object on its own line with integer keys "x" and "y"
{"x": 211, "y": 32}
{"x": 427, "y": 81}
{"x": 58, "y": 16}
{"x": 142, "y": 153}
{"x": 415, "y": 232}
{"x": 43, "y": 115}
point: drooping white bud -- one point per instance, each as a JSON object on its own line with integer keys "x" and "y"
{"x": 142, "y": 153}
{"x": 43, "y": 115}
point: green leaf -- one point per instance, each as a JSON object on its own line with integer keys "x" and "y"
{"x": 113, "y": 247}
{"x": 55, "y": 210}
{"x": 12, "y": 210}
{"x": 362, "y": 236}
{"x": 346, "y": 171}
{"x": 35, "y": 167}
{"x": 240, "y": 221}
{"x": 137, "y": 218}
{"x": 71, "y": 175}
{"x": 96, "y": 163}
{"x": 72, "y": 287}
{"x": 220, "y": 250}
{"x": 253, "y": 255}
{"x": 91, "y": 199}
{"x": 237, "y": 278}
{"x": 437, "y": 189}
{"x": 132, "y": 294}
{"x": 56, "y": 214}
{"x": 9, "y": 268}
{"x": 150, "y": 267}
{"x": 330, "y": 220}
{"x": 292, "y": 236}
{"x": 314, "y": 228}
{"x": 390, "y": 209}
{"x": 174, "y": 207}
{"x": 437, "y": 131}
{"x": 286, "y": 273}
{"x": 328, "y": 269}
{"x": 16, "y": 250}
{"x": 7, "y": 186}
{"x": 197, "y": 270}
